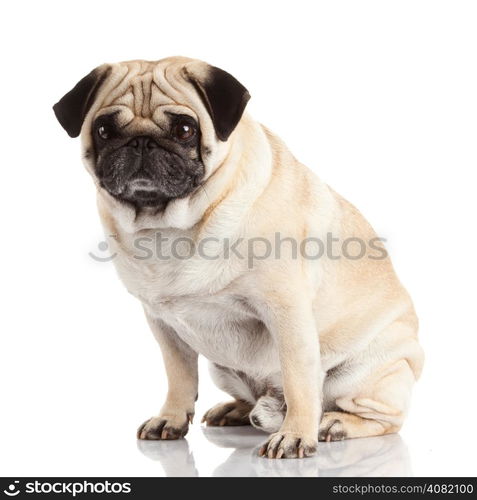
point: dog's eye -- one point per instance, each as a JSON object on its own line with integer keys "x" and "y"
{"x": 103, "y": 132}
{"x": 183, "y": 130}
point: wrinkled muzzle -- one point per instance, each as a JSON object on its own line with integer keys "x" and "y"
{"x": 146, "y": 174}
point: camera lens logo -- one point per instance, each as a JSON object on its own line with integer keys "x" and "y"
{"x": 13, "y": 489}
{"x": 103, "y": 247}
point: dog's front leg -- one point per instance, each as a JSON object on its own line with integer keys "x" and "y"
{"x": 293, "y": 325}
{"x": 180, "y": 362}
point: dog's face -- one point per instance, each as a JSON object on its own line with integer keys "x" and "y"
{"x": 148, "y": 164}
{"x": 153, "y": 132}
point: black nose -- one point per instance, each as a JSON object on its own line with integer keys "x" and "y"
{"x": 142, "y": 143}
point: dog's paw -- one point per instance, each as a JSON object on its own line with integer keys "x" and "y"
{"x": 164, "y": 427}
{"x": 268, "y": 414}
{"x": 233, "y": 413}
{"x": 331, "y": 428}
{"x": 288, "y": 445}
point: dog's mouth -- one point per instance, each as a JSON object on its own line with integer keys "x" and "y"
{"x": 144, "y": 192}
{"x": 141, "y": 188}
{"x": 140, "y": 192}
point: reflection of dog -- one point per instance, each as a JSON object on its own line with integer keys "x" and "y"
{"x": 379, "y": 457}
{"x": 170, "y": 149}
{"x": 175, "y": 456}
{"x": 382, "y": 456}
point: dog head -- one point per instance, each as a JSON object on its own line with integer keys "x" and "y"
{"x": 153, "y": 132}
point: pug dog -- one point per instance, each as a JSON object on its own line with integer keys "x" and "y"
{"x": 311, "y": 345}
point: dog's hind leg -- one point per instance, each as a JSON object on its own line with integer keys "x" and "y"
{"x": 370, "y": 394}
{"x": 377, "y": 407}
{"x": 226, "y": 414}
{"x": 269, "y": 412}
{"x": 257, "y": 402}
{"x": 239, "y": 386}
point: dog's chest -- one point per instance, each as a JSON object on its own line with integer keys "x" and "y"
{"x": 206, "y": 311}
{"x": 222, "y": 328}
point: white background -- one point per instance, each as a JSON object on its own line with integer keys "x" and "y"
{"x": 378, "y": 97}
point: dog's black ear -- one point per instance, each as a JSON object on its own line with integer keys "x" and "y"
{"x": 72, "y": 108}
{"x": 224, "y": 97}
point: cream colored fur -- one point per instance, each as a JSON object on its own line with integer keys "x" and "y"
{"x": 284, "y": 323}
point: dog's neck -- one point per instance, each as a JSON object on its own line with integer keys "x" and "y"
{"x": 239, "y": 180}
